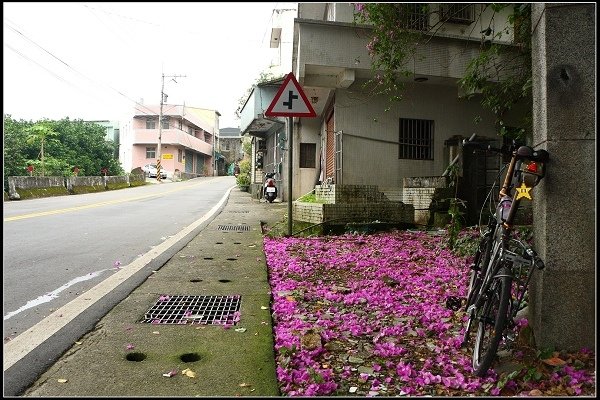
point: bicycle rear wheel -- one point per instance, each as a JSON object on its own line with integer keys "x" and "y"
{"x": 491, "y": 323}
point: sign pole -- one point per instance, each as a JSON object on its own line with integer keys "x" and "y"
{"x": 290, "y": 101}
{"x": 290, "y": 169}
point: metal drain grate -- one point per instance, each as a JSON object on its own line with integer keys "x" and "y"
{"x": 233, "y": 227}
{"x": 195, "y": 310}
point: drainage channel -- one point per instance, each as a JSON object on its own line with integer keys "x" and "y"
{"x": 194, "y": 310}
{"x": 233, "y": 228}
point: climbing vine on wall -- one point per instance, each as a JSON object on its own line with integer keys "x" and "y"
{"x": 501, "y": 73}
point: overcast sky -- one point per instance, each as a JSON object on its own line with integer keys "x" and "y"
{"x": 95, "y": 60}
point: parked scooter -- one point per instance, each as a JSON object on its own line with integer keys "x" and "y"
{"x": 269, "y": 188}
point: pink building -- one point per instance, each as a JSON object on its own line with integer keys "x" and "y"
{"x": 188, "y": 139}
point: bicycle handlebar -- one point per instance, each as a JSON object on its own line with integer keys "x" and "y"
{"x": 484, "y": 146}
{"x": 522, "y": 152}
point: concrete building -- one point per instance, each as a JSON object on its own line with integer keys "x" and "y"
{"x": 230, "y": 147}
{"x": 354, "y": 140}
{"x": 188, "y": 139}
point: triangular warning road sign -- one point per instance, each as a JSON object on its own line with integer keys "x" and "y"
{"x": 290, "y": 101}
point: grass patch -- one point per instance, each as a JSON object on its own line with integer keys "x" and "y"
{"x": 309, "y": 198}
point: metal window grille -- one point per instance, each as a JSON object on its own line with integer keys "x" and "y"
{"x": 462, "y": 13}
{"x": 150, "y": 124}
{"x": 150, "y": 152}
{"x": 416, "y": 139}
{"x": 417, "y": 17}
{"x": 165, "y": 122}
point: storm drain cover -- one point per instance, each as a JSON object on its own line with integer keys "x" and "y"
{"x": 195, "y": 310}
{"x": 233, "y": 227}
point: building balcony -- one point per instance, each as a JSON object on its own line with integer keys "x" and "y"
{"x": 252, "y": 119}
{"x": 172, "y": 137}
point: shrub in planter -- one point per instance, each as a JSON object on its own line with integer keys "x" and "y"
{"x": 243, "y": 180}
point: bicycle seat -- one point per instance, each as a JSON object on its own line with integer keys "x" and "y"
{"x": 533, "y": 155}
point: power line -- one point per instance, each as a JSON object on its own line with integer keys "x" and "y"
{"x": 76, "y": 71}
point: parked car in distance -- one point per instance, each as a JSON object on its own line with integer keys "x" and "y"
{"x": 150, "y": 170}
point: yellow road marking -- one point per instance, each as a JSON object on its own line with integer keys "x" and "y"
{"x": 95, "y": 205}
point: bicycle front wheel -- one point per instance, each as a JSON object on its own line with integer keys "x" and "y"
{"x": 479, "y": 268}
{"x": 491, "y": 323}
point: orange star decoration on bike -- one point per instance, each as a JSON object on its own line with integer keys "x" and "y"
{"x": 523, "y": 191}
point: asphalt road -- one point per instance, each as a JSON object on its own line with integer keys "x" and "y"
{"x": 58, "y": 248}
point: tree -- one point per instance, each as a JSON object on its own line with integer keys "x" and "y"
{"x": 65, "y": 144}
{"x": 40, "y": 132}
{"x": 501, "y": 73}
{"x": 15, "y": 148}
{"x": 264, "y": 76}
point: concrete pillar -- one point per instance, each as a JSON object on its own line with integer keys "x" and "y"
{"x": 562, "y": 297}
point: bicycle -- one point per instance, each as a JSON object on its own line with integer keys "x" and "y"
{"x": 503, "y": 265}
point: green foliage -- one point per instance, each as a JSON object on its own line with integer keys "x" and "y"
{"x": 66, "y": 144}
{"x": 501, "y": 73}
{"x": 392, "y": 47}
{"x": 43, "y": 134}
{"x": 545, "y": 353}
{"x": 52, "y": 167}
{"x": 456, "y": 221}
{"x": 264, "y": 76}
{"x": 247, "y": 145}
{"x": 243, "y": 179}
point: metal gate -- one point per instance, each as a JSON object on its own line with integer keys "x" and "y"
{"x": 338, "y": 157}
{"x": 189, "y": 161}
{"x": 330, "y": 150}
{"x": 480, "y": 171}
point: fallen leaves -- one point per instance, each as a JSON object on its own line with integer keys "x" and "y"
{"x": 554, "y": 362}
{"x": 378, "y": 303}
{"x": 189, "y": 373}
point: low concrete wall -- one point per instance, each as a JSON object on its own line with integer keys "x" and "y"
{"x": 419, "y": 191}
{"x": 26, "y": 187}
{"x": 352, "y": 203}
{"x": 392, "y": 211}
{"x": 85, "y": 184}
{"x": 334, "y": 194}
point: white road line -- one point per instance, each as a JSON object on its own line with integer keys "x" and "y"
{"x": 54, "y": 294}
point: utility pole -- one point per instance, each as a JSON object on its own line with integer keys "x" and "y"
{"x": 162, "y": 101}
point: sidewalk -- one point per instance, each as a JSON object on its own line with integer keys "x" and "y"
{"x": 125, "y": 357}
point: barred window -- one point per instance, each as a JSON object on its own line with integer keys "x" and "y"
{"x": 417, "y": 17}
{"x": 150, "y": 152}
{"x": 416, "y": 139}
{"x": 461, "y": 13}
{"x": 165, "y": 122}
{"x": 308, "y": 153}
{"x": 150, "y": 124}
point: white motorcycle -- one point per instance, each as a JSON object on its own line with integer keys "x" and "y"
{"x": 269, "y": 189}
